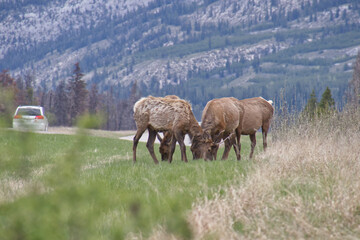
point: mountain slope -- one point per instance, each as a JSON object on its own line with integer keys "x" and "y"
{"x": 196, "y": 49}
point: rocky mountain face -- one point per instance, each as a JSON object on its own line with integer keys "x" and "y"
{"x": 198, "y": 49}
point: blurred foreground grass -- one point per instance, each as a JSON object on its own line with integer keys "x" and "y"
{"x": 86, "y": 187}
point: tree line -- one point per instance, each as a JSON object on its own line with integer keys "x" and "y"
{"x": 314, "y": 109}
{"x": 71, "y": 99}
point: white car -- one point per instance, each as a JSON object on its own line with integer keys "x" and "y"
{"x": 30, "y": 118}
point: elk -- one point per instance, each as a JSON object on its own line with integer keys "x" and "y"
{"x": 165, "y": 142}
{"x": 157, "y": 114}
{"x": 221, "y": 119}
{"x": 258, "y": 114}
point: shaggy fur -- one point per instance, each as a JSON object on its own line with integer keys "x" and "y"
{"x": 167, "y": 114}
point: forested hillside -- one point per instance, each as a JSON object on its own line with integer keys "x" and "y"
{"x": 199, "y": 50}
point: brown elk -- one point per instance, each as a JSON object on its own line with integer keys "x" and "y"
{"x": 258, "y": 114}
{"x": 165, "y": 145}
{"x": 222, "y": 118}
{"x": 158, "y": 114}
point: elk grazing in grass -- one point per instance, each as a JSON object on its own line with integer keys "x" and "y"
{"x": 157, "y": 114}
{"x": 165, "y": 142}
{"x": 257, "y": 113}
{"x": 222, "y": 119}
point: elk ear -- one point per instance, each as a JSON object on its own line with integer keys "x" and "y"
{"x": 159, "y": 137}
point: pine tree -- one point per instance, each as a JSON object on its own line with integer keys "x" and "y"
{"x": 7, "y": 97}
{"x": 61, "y": 105}
{"x": 311, "y": 106}
{"x": 29, "y": 90}
{"x": 327, "y": 103}
{"x": 127, "y": 120}
{"x": 93, "y": 99}
{"x": 20, "y": 95}
{"x": 78, "y": 94}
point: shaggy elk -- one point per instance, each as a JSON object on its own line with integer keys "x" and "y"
{"x": 157, "y": 114}
{"x": 165, "y": 142}
{"x": 221, "y": 119}
{"x": 258, "y": 114}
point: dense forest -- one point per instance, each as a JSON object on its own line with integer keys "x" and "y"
{"x": 70, "y": 100}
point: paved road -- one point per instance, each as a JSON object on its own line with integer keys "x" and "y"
{"x": 145, "y": 136}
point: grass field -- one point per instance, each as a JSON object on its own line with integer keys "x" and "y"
{"x": 84, "y": 187}
{"x": 306, "y": 186}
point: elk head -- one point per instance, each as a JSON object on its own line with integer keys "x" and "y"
{"x": 165, "y": 145}
{"x": 203, "y": 147}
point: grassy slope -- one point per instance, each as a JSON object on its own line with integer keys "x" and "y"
{"x": 60, "y": 187}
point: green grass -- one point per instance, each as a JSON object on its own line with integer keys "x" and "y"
{"x": 86, "y": 187}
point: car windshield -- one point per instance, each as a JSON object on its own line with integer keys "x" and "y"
{"x": 29, "y": 111}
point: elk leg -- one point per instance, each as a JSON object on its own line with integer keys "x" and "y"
{"x": 265, "y": 129}
{"x": 236, "y": 149}
{"x": 238, "y": 144}
{"x": 227, "y": 148}
{"x": 137, "y": 137}
{"x": 215, "y": 151}
{"x": 253, "y": 144}
{"x": 172, "y": 148}
{"x": 150, "y": 144}
{"x": 159, "y": 137}
{"x": 180, "y": 139}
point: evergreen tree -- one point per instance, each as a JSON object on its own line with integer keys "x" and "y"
{"x": 327, "y": 103}
{"x": 110, "y": 110}
{"x": 29, "y": 90}
{"x": 20, "y": 95}
{"x": 94, "y": 99}
{"x": 7, "y": 97}
{"x": 127, "y": 120}
{"x": 311, "y": 106}
{"x": 78, "y": 94}
{"x": 61, "y": 105}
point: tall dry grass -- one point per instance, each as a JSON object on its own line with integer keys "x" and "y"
{"x": 306, "y": 186}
